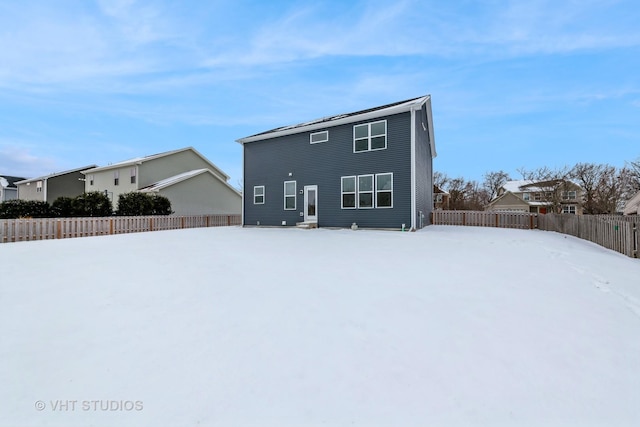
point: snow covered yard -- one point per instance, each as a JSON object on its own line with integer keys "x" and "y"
{"x": 284, "y": 327}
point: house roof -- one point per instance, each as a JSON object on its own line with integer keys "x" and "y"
{"x": 529, "y": 185}
{"x": 632, "y": 207}
{"x": 325, "y": 122}
{"x": 53, "y": 175}
{"x": 7, "y": 181}
{"x": 168, "y": 182}
{"x": 138, "y": 160}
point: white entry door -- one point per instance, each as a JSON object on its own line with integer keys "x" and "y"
{"x": 310, "y": 203}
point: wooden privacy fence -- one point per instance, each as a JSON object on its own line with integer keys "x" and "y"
{"x": 520, "y": 220}
{"x": 18, "y": 230}
{"x": 615, "y": 232}
{"x": 618, "y": 233}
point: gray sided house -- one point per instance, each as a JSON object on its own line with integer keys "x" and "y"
{"x": 193, "y": 184}
{"x": 49, "y": 187}
{"x": 371, "y": 167}
{"x": 8, "y": 188}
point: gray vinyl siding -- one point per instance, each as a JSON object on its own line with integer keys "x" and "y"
{"x": 68, "y": 185}
{"x": 155, "y": 170}
{"x": 29, "y": 191}
{"x": 292, "y": 158}
{"x": 424, "y": 169}
{"x": 203, "y": 194}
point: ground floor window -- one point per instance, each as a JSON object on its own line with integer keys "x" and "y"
{"x": 289, "y": 195}
{"x": 569, "y": 209}
{"x": 367, "y": 191}
{"x": 258, "y": 195}
{"x": 348, "y": 190}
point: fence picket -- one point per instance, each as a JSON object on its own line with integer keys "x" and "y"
{"x": 16, "y": 230}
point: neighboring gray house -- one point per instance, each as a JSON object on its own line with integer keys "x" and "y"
{"x": 193, "y": 184}
{"x": 8, "y": 189}
{"x": 48, "y": 188}
{"x": 370, "y": 167}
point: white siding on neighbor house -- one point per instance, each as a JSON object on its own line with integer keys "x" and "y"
{"x": 104, "y": 180}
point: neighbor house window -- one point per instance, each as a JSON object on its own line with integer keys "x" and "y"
{"x": 289, "y": 195}
{"x": 384, "y": 190}
{"x": 537, "y": 197}
{"x": 133, "y": 175}
{"x": 318, "y": 137}
{"x": 568, "y": 195}
{"x": 526, "y": 197}
{"x": 90, "y": 179}
{"x": 258, "y": 195}
{"x": 348, "y": 192}
{"x": 365, "y": 191}
{"x": 370, "y": 136}
{"x": 569, "y": 209}
{"x": 39, "y": 187}
{"x": 116, "y": 177}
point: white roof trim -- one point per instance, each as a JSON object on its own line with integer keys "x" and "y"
{"x": 342, "y": 119}
{"x": 168, "y": 182}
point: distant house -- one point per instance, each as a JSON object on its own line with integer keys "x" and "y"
{"x": 193, "y": 184}
{"x": 8, "y": 188}
{"x": 632, "y": 207}
{"x": 49, "y": 187}
{"x": 371, "y": 167}
{"x": 440, "y": 198}
{"x": 541, "y": 197}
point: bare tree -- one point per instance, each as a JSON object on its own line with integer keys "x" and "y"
{"x": 493, "y": 181}
{"x": 440, "y": 180}
{"x": 588, "y": 176}
{"x": 633, "y": 170}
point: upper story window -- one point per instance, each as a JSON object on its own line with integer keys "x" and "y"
{"x": 133, "y": 175}
{"x": 39, "y": 187}
{"x": 370, "y": 136}
{"x": 318, "y": 137}
{"x": 258, "y": 195}
{"x": 90, "y": 179}
{"x": 116, "y": 177}
{"x": 289, "y": 195}
{"x": 526, "y": 196}
{"x": 569, "y": 195}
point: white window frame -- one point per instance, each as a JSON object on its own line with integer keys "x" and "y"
{"x": 116, "y": 178}
{"x": 133, "y": 176}
{"x": 567, "y": 209}
{"x": 90, "y": 179}
{"x": 569, "y": 195}
{"x": 354, "y": 192}
{"x": 526, "y": 197}
{"x": 295, "y": 190}
{"x": 325, "y": 139}
{"x": 383, "y": 191}
{"x": 372, "y": 191}
{"x": 38, "y": 186}
{"x": 255, "y": 194}
{"x": 369, "y": 136}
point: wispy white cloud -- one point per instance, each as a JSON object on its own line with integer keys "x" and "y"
{"x": 21, "y": 161}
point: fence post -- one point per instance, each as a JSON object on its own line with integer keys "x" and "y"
{"x": 110, "y": 226}
{"x": 151, "y": 224}
{"x": 59, "y": 229}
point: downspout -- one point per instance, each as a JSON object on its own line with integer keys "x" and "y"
{"x": 44, "y": 188}
{"x": 244, "y": 188}
{"x": 413, "y": 168}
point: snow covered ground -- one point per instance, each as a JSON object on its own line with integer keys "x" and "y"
{"x": 449, "y": 326}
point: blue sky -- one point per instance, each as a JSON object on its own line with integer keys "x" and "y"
{"x": 514, "y": 84}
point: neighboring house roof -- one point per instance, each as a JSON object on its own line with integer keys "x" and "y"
{"x": 53, "y": 175}
{"x": 371, "y": 113}
{"x": 138, "y": 160}
{"x": 168, "y": 182}
{"x": 438, "y": 190}
{"x": 510, "y": 198}
{"x": 632, "y": 207}
{"x": 7, "y": 181}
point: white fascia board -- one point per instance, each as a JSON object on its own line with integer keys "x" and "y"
{"x": 345, "y": 120}
{"x": 413, "y": 169}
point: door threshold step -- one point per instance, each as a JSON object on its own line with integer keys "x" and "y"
{"x": 307, "y": 225}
